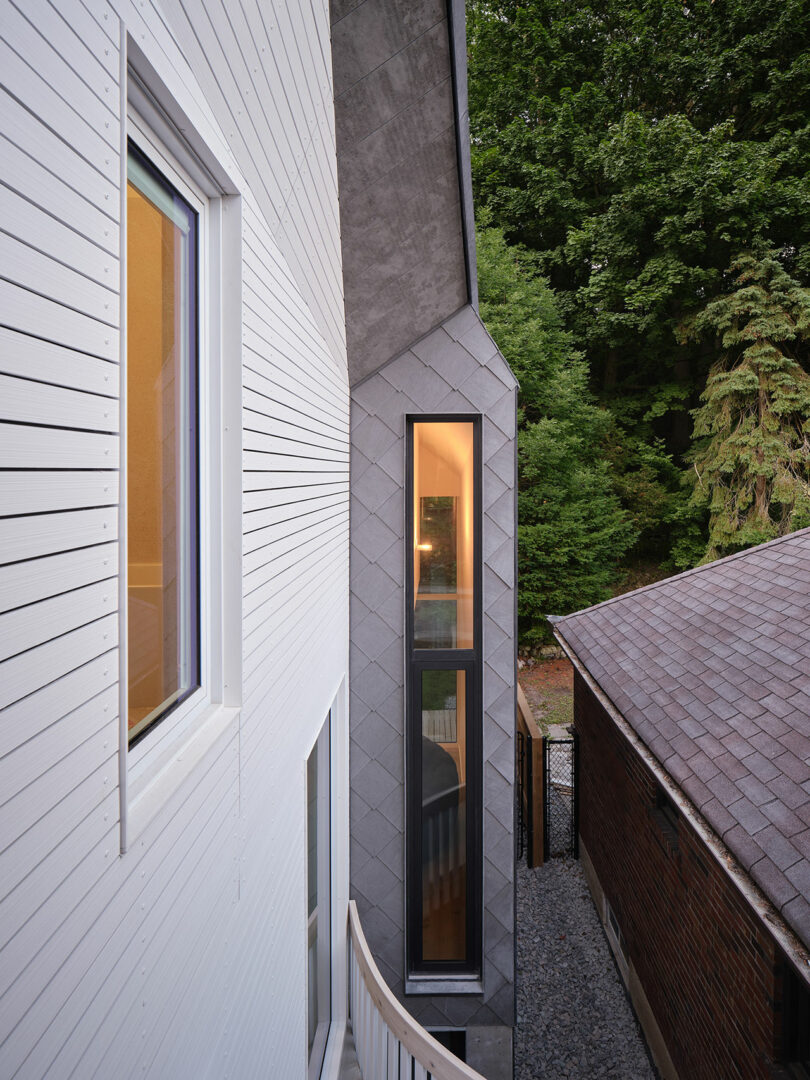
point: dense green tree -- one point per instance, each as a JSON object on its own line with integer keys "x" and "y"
{"x": 636, "y": 147}
{"x": 572, "y": 531}
{"x": 752, "y": 454}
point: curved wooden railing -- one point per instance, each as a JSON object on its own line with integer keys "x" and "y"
{"x": 390, "y": 1044}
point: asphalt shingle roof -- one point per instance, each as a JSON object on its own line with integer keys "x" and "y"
{"x": 712, "y": 670}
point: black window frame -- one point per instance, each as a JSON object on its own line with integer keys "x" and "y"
{"x": 470, "y": 661}
{"x": 194, "y": 555}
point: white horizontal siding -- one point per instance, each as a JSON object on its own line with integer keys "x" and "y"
{"x": 48, "y": 448}
{"x": 23, "y": 674}
{"x": 81, "y": 213}
{"x": 42, "y": 230}
{"x": 186, "y": 957}
{"x": 44, "y": 361}
{"x": 27, "y": 402}
{"x": 45, "y": 492}
{"x": 43, "y": 167}
{"x": 35, "y": 910}
{"x": 54, "y": 575}
{"x": 45, "y": 707}
{"x": 264, "y": 500}
{"x": 24, "y": 538}
{"x": 44, "y": 41}
{"x": 29, "y": 312}
{"x": 270, "y": 60}
{"x": 28, "y": 821}
{"x": 42, "y": 751}
{"x": 31, "y": 625}
{"x": 42, "y": 273}
{"x": 44, "y": 80}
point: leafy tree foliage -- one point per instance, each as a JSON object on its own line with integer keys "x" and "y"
{"x": 572, "y": 531}
{"x": 637, "y": 147}
{"x": 752, "y": 456}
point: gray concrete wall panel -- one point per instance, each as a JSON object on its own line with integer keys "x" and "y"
{"x": 455, "y": 368}
{"x": 396, "y": 102}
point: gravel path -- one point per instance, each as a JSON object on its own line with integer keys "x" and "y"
{"x": 574, "y": 1019}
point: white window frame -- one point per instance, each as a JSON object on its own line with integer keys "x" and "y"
{"x": 324, "y": 912}
{"x": 167, "y": 753}
{"x": 339, "y": 879}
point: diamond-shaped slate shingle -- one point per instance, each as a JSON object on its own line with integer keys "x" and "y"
{"x": 439, "y": 373}
{"x": 722, "y": 652}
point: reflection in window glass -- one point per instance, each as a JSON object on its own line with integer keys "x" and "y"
{"x": 163, "y": 603}
{"x": 319, "y": 970}
{"x": 443, "y": 535}
{"x": 444, "y": 841}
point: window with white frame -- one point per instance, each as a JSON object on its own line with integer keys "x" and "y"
{"x": 181, "y": 446}
{"x": 180, "y": 595}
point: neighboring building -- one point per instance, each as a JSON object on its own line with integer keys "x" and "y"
{"x": 178, "y": 409}
{"x": 692, "y": 707}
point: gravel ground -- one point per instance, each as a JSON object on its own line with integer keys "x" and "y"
{"x": 574, "y": 1019}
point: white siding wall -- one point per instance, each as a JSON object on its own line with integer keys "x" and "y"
{"x": 185, "y": 957}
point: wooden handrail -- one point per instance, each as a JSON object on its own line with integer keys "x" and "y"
{"x": 426, "y": 1051}
{"x": 531, "y": 794}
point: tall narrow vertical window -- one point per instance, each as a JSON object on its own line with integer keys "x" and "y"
{"x": 444, "y": 727}
{"x": 319, "y": 941}
{"x": 163, "y": 654}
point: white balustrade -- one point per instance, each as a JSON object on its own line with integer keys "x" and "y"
{"x": 390, "y": 1044}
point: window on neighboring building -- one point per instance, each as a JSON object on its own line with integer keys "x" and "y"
{"x": 616, "y": 939}
{"x": 319, "y": 869}
{"x": 444, "y": 725}
{"x": 162, "y": 495}
{"x": 665, "y": 813}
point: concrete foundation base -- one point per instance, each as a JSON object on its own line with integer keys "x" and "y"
{"x": 646, "y": 1018}
{"x": 489, "y": 1051}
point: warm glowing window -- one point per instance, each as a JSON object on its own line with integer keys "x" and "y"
{"x": 443, "y": 712}
{"x": 443, "y": 565}
{"x": 161, "y": 451}
{"x": 444, "y": 728}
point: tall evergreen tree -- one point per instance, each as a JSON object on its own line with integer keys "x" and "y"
{"x": 752, "y": 455}
{"x": 636, "y": 146}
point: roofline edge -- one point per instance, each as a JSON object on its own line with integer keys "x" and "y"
{"x": 457, "y": 34}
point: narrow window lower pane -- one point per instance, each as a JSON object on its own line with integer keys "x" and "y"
{"x": 444, "y": 806}
{"x": 163, "y": 648}
{"x": 443, "y": 463}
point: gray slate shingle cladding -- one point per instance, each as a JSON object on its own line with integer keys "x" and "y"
{"x": 712, "y": 670}
{"x": 454, "y": 369}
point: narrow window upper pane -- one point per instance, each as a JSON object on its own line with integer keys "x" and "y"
{"x": 444, "y": 815}
{"x": 162, "y": 484}
{"x": 443, "y": 567}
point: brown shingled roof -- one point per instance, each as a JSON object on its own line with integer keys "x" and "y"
{"x": 712, "y": 670}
